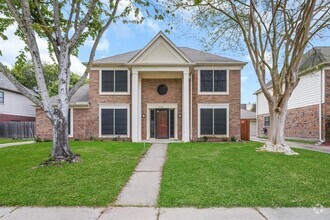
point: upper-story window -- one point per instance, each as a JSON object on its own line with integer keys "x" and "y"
{"x": 114, "y": 81}
{"x": 213, "y": 81}
{"x": 2, "y": 97}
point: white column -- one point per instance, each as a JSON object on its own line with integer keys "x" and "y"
{"x": 140, "y": 109}
{"x": 135, "y": 108}
{"x": 185, "y": 107}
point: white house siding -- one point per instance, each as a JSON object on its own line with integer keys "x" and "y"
{"x": 16, "y": 104}
{"x": 253, "y": 128}
{"x": 308, "y": 92}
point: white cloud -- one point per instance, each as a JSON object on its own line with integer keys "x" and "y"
{"x": 11, "y": 47}
{"x": 152, "y": 26}
{"x": 244, "y": 78}
{"x": 104, "y": 44}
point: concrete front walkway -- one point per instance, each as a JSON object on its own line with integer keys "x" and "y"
{"x": 312, "y": 147}
{"x": 16, "y": 143}
{"x": 143, "y": 187}
{"x": 151, "y": 213}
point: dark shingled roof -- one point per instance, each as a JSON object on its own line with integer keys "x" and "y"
{"x": 195, "y": 56}
{"x": 80, "y": 96}
{"x": 6, "y": 84}
{"x": 313, "y": 57}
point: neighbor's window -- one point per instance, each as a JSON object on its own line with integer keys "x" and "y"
{"x": 267, "y": 121}
{"x": 213, "y": 121}
{"x": 69, "y": 122}
{"x": 213, "y": 81}
{"x": 114, "y": 121}
{"x": 114, "y": 81}
{"x": 2, "y": 97}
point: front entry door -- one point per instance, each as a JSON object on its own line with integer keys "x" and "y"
{"x": 162, "y": 124}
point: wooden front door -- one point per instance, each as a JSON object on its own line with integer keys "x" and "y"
{"x": 162, "y": 124}
{"x": 245, "y": 129}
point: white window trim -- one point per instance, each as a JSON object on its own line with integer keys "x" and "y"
{"x": 213, "y": 93}
{"x": 115, "y": 93}
{"x": 163, "y": 106}
{"x": 213, "y": 106}
{"x": 114, "y": 106}
{"x": 71, "y": 122}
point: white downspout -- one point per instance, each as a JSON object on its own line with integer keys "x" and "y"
{"x": 320, "y": 106}
{"x": 190, "y": 120}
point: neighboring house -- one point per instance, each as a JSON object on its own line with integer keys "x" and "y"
{"x": 247, "y": 106}
{"x": 13, "y": 105}
{"x": 309, "y": 106}
{"x": 159, "y": 92}
{"x": 252, "y": 118}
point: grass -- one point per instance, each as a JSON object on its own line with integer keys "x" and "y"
{"x": 96, "y": 181}
{"x": 295, "y": 140}
{"x": 10, "y": 140}
{"x": 235, "y": 175}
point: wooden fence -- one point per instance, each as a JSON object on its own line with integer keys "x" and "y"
{"x": 17, "y": 130}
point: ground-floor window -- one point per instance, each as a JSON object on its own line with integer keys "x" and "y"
{"x": 114, "y": 121}
{"x": 266, "y": 121}
{"x": 213, "y": 120}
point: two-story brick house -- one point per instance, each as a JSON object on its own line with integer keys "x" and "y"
{"x": 159, "y": 92}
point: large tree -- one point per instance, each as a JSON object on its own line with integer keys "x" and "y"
{"x": 24, "y": 73}
{"x": 275, "y": 34}
{"x": 66, "y": 25}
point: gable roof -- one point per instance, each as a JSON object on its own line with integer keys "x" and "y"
{"x": 6, "y": 84}
{"x": 245, "y": 114}
{"x": 80, "y": 97}
{"x": 192, "y": 56}
{"x": 159, "y": 36}
{"x": 312, "y": 58}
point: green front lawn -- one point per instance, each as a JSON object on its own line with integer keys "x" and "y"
{"x": 10, "y": 140}
{"x": 234, "y": 174}
{"x": 96, "y": 181}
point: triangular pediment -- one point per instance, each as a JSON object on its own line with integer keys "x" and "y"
{"x": 160, "y": 51}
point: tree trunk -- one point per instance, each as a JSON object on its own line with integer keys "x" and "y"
{"x": 61, "y": 148}
{"x": 276, "y": 139}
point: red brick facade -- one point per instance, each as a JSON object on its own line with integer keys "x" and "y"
{"x": 301, "y": 123}
{"x": 6, "y": 117}
{"x": 233, "y": 99}
{"x": 86, "y": 120}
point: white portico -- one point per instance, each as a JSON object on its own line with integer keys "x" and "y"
{"x": 160, "y": 60}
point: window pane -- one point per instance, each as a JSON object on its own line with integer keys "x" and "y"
{"x": 121, "y": 81}
{"x": 107, "y": 121}
{"x": 171, "y": 123}
{"x": 220, "y": 81}
{"x": 220, "y": 121}
{"x": 2, "y": 97}
{"x": 120, "y": 121}
{"x": 69, "y": 122}
{"x": 206, "y": 81}
{"x": 107, "y": 81}
{"x": 206, "y": 122}
{"x": 152, "y": 123}
{"x": 266, "y": 121}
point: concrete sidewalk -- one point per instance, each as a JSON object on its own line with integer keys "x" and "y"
{"x": 16, "y": 144}
{"x": 143, "y": 187}
{"x": 150, "y": 213}
{"x": 312, "y": 147}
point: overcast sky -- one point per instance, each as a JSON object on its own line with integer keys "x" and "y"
{"x": 121, "y": 38}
